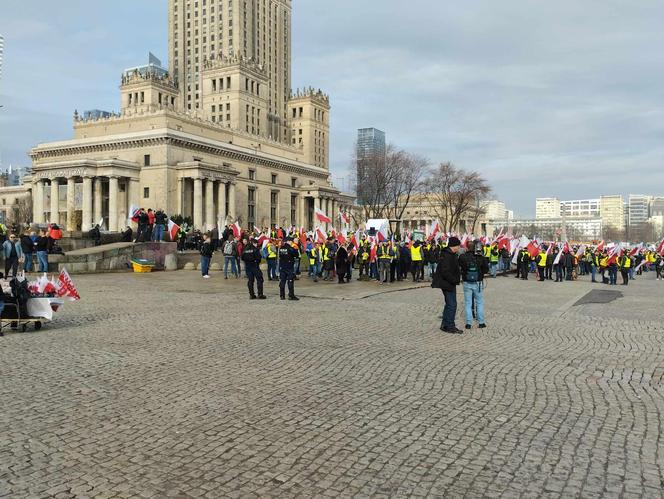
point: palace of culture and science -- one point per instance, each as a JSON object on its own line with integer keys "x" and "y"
{"x": 218, "y": 136}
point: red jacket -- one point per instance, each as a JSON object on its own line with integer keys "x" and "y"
{"x": 151, "y": 217}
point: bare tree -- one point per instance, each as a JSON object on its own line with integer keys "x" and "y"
{"x": 21, "y": 211}
{"x": 406, "y": 174}
{"x": 454, "y": 193}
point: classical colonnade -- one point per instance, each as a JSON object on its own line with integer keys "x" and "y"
{"x": 92, "y": 209}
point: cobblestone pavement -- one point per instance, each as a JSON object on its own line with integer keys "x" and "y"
{"x": 166, "y": 385}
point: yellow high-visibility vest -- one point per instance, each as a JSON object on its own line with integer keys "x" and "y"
{"x": 416, "y": 253}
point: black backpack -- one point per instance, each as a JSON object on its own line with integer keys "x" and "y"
{"x": 473, "y": 271}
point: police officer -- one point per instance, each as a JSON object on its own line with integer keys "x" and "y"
{"x": 287, "y": 254}
{"x": 251, "y": 256}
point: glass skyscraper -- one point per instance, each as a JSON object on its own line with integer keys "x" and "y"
{"x": 370, "y": 151}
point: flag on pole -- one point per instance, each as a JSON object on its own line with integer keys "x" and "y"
{"x": 173, "y": 229}
{"x": 67, "y": 288}
{"x": 237, "y": 230}
{"x": 581, "y": 250}
{"x": 533, "y": 249}
{"x": 344, "y": 218}
{"x": 320, "y": 235}
{"x": 101, "y": 223}
{"x": 600, "y": 246}
{"x": 133, "y": 213}
{"x": 322, "y": 217}
{"x": 560, "y": 253}
{"x": 434, "y": 229}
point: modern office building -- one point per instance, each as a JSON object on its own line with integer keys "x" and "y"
{"x": 580, "y": 208}
{"x": 547, "y": 208}
{"x": 219, "y": 138}
{"x": 371, "y": 148}
{"x": 639, "y": 209}
{"x": 612, "y": 212}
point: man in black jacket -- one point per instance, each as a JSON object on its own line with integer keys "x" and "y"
{"x": 447, "y": 277}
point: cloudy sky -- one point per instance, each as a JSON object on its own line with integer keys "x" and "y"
{"x": 544, "y": 98}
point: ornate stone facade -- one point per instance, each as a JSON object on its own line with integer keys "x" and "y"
{"x": 220, "y": 161}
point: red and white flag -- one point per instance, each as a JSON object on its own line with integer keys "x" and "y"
{"x": 600, "y": 246}
{"x": 173, "y": 229}
{"x": 320, "y": 235}
{"x": 434, "y": 229}
{"x": 344, "y": 218}
{"x": 533, "y": 249}
{"x": 66, "y": 286}
{"x": 581, "y": 250}
{"x": 342, "y": 237}
{"x": 237, "y": 230}
{"x": 322, "y": 217}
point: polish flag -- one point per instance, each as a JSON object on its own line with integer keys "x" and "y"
{"x": 237, "y": 230}
{"x": 382, "y": 234}
{"x": 262, "y": 239}
{"x": 133, "y": 210}
{"x": 67, "y": 288}
{"x": 173, "y": 229}
{"x": 257, "y": 230}
{"x": 581, "y": 250}
{"x": 303, "y": 234}
{"x": 600, "y": 246}
{"x": 434, "y": 229}
{"x": 322, "y": 217}
{"x": 342, "y": 237}
{"x": 344, "y": 218}
{"x": 320, "y": 234}
{"x": 356, "y": 238}
{"x": 533, "y": 249}
{"x": 560, "y": 254}
{"x": 635, "y": 249}
{"x": 660, "y": 248}
{"x": 549, "y": 250}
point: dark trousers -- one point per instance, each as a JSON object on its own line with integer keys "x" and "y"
{"x": 525, "y": 269}
{"x": 559, "y": 273}
{"x": 568, "y": 273}
{"x": 549, "y": 272}
{"x": 449, "y": 311}
{"x": 254, "y": 274}
{"x": 286, "y": 276}
{"x": 11, "y": 263}
{"x": 625, "y": 276}
{"x": 417, "y": 270}
{"x": 541, "y": 271}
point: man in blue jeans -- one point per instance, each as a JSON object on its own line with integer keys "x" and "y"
{"x": 446, "y": 278}
{"x": 473, "y": 266}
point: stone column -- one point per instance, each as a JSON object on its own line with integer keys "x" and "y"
{"x": 209, "y": 203}
{"x": 113, "y": 193}
{"x": 55, "y": 202}
{"x": 180, "y": 195}
{"x": 231, "y": 200}
{"x": 333, "y": 213}
{"x": 198, "y": 203}
{"x": 38, "y": 202}
{"x": 87, "y": 223}
{"x": 97, "y": 215}
{"x": 221, "y": 211}
{"x": 302, "y": 211}
{"x": 133, "y": 193}
{"x": 71, "y": 203}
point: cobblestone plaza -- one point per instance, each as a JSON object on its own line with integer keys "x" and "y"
{"x": 165, "y": 385}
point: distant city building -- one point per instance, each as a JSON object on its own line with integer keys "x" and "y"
{"x": 495, "y": 210}
{"x": 657, "y": 206}
{"x": 96, "y": 114}
{"x": 612, "y": 212}
{"x": 580, "y": 208}
{"x": 547, "y": 208}
{"x": 639, "y": 209}
{"x": 578, "y": 229}
{"x": 370, "y": 148}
